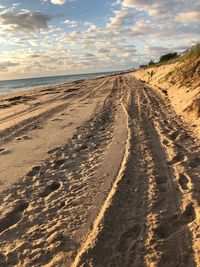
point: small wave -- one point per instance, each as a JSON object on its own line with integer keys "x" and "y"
{"x": 21, "y": 84}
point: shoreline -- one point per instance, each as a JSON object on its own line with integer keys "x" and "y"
{"x": 84, "y": 77}
{"x": 44, "y": 109}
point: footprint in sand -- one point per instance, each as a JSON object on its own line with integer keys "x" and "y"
{"x": 35, "y": 170}
{"x": 177, "y": 158}
{"x": 184, "y": 182}
{"x": 179, "y": 146}
{"x": 166, "y": 131}
{"x": 174, "y": 135}
{"x": 13, "y": 216}
{"x": 165, "y": 142}
{"x": 173, "y": 224}
{"x": 57, "y": 163}
{"x": 129, "y": 238}
{"x": 182, "y": 136}
{"x": 50, "y": 189}
{"x": 81, "y": 147}
{"x": 189, "y": 214}
{"x": 54, "y": 150}
{"x": 163, "y": 231}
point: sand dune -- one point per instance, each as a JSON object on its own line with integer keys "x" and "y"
{"x": 180, "y": 83}
{"x": 97, "y": 173}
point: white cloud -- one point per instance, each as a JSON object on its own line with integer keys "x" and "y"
{"x": 25, "y": 21}
{"x": 16, "y": 4}
{"x": 124, "y": 18}
{"x": 136, "y": 32}
{"x": 151, "y": 6}
{"x": 118, "y": 2}
{"x": 71, "y": 23}
{"x": 157, "y": 51}
{"x": 163, "y": 7}
{"x": 58, "y": 2}
{"x": 4, "y": 66}
{"x": 185, "y": 17}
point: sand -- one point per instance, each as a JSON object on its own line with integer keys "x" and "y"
{"x": 183, "y": 93}
{"x": 100, "y": 172}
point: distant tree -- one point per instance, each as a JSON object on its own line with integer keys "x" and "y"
{"x": 151, "y": 63}
{"x": 143, "y": 66}
{"x": 168, "y": 57}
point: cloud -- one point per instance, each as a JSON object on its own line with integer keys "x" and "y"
{"x": 58, "y": 2}
{"x": 157, "y": 19}
{"x": 135, "y": 32}
{"x": 26, "y": 21}
{"x": 162, "y": 7}
{"x": 157, "y": 51}
{"x": 7, "y": 64}
{"x": 118, "y": 2}
{"x": 35, "y": 56}
{"x": 71, "y": 23}
{"x": 161, "y": 50}
{"x": 185, "y": 17}
{"x": 124, "y": 18}
{"x": 151, "y": 6}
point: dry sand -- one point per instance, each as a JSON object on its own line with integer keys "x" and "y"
{"x": 182, "y": 92}
{"x": 97, "y": 173}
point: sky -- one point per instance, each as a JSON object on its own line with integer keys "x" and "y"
{"x": 58, "y": 37}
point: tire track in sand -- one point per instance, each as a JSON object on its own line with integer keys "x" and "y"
{"x": 178, "y": 229}
{"x": 142, "y": 223}
{"x": 65, "y": 193}
{"x": 80, "y": 258}
{"x": 105, "y": 199}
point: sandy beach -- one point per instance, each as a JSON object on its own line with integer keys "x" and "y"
{"x": 100, "y": 172}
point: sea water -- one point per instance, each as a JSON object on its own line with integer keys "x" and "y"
{"x": 21, "y": 84}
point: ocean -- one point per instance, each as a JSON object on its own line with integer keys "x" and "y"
{"x": 21, "y": 84}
